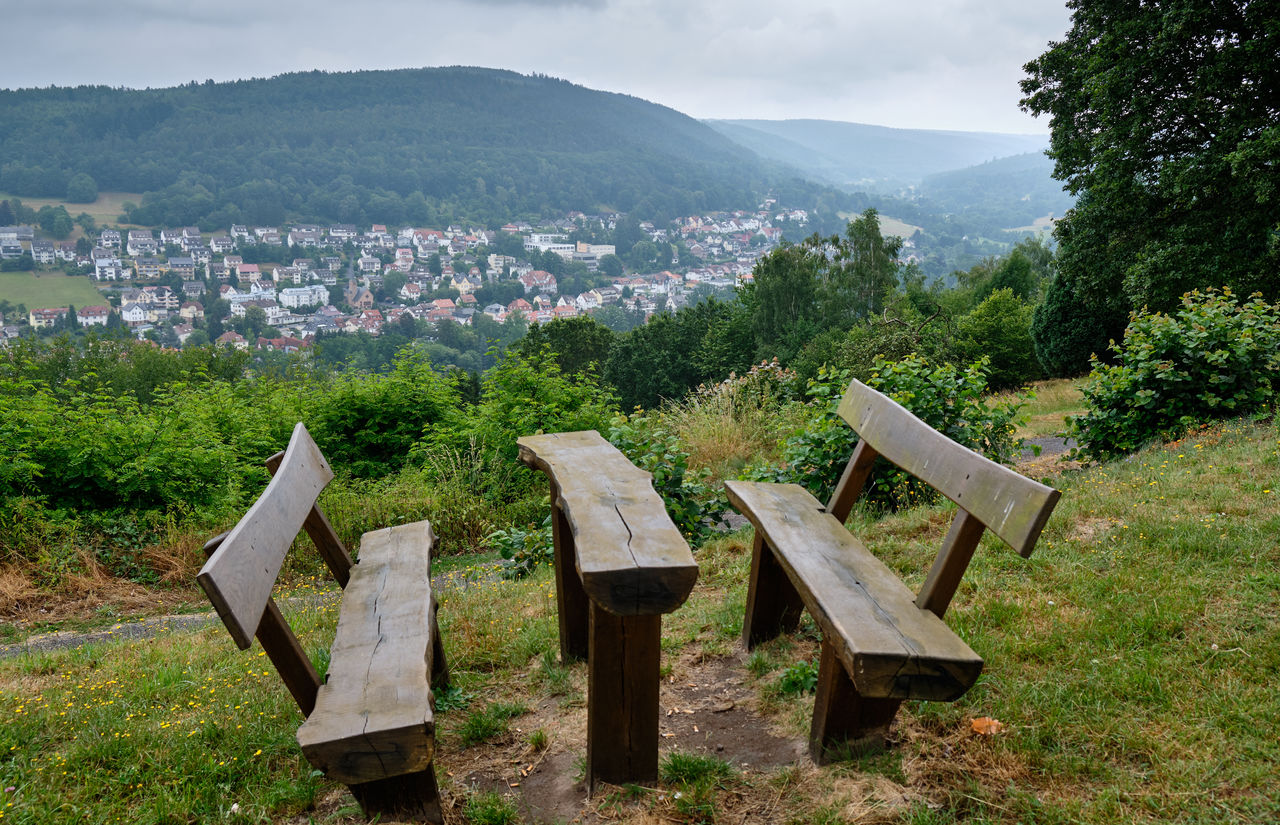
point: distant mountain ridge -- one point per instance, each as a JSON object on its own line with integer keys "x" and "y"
{"x": 427, "y": 145}
{"x": 878, "y": 158}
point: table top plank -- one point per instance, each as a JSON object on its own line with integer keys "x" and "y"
{"x": 631, "y": 557}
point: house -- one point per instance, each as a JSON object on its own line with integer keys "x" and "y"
{"x": 41, "y": 318}
{"x": 94, "y": 316}
{"x": 301, "y": 296}
{"x": 171, "y": 236}
{"x": 538, "y": 280}
{"x": 135, "y": 315}
{"x": 42, "y": 252}
{"x": 368, "y": 263}
{"x": 283, "y": 344}
{"x": 232, "y": 339}
{"x": 240, "y": 232}
{"x": 183, "y": 332}
{"x": 521, "y": 306}
{"x": 149, "y": 267}
{"x": 191, "y": 311}
{"x": 411, "y": 292}
{"x": 193, "y": 290}
{"x": 343, "y": 232}
{"x": 221, "y": 244}
{"x": 141, "y": 242}
{"x": 65, "y": 251}
{"x": 110, "y": 238}
{"x": 185, "y": 267}
{"x": 248, "y": 272}
{"x": 307, "y": 238}
{"x": 202, "y": 255}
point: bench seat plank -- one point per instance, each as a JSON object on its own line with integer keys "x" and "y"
{"x": 373, "y": 716}
{"x": 632, "y": 560}
{"x": 890, "y": 647}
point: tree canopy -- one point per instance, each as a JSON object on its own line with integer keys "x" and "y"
{"x": 1165, "y": 120}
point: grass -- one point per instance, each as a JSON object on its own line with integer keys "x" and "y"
{"x": 49, "y": 288}
{"x": 105, "y": 210}
{"x": 1054, "y": 401}
{"x": 1132, "y": 661}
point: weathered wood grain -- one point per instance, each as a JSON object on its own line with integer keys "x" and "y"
{"x": 238, "y": 577}
{"x": 773, "y": 604}
{"x": 1012, "y": 506}
{"x": 630, "y": 557}
{"x": 622, "y": 705}
{"x": 373, "y": 716}
{"x": 326, "y": 540}
{"x": 840, "y": 713}
{"x": 891, "y": 648}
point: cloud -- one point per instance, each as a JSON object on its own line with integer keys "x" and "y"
{"x": 946, "y": 63}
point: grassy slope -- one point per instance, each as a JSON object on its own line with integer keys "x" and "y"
{"x": 105, "y": 210}
{"x": 48, "y": 289}
{"x": 1132, "y": 661}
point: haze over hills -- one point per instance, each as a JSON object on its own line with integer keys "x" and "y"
{"x": 872, "y": 158}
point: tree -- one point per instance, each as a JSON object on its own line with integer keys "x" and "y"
{"x": 7, "y": 218}
{"x": 82, "y": 189}
{"x": 1000, "y": 329}
{"x": 1165, "y": 120}
{"x": 827, "y": 283}
{"x": 577, "y": 344}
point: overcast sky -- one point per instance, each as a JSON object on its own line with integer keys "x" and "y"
{"x": 938, "y": 64}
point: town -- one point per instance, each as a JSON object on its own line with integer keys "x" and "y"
{"x": 176, "y": 286}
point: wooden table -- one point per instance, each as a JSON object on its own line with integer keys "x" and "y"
{"x": 620, "y": 564}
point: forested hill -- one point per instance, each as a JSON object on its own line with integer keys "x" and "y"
{"x": 872, "y": 157}
{"x": 422, "y": 145}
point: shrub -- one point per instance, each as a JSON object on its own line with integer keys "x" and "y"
{"x": 800, "y": 678}
{"x": 1000, "y": 328}
{"x": 694, "y": 506}
{"x": 1213, "y": 358}
{"x": 944, "y": 397}
{"x": 523, "y": 549}
{"x": 366, "y": 425}
{"x": 1065, "y": 337}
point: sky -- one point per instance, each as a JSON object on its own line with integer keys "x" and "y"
{"x": 929, "y": 64}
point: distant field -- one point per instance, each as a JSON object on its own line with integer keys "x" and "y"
{"x": 50, "y": 289}
{"x": 889, "y": 226}
{"x": 106, "y": 209}
{"x": 1044, "y": 224}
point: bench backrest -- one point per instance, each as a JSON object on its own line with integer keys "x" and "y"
{"x": 988, "y": 494}
{"x": 244, "y": 562}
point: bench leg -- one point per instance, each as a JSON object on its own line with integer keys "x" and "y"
{"x": 773, "y": 603}
{"x": 622, "y": 698}
{"x": 413, "y": 797}
{"x": 571, "y": 598}
{"x": 840, "y": 714}
{"x": 439, "y": 664}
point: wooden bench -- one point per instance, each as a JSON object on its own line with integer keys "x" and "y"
{"x": 881, "y": 644}
{"x": 369, "y": 724}
{"x": 620, "y": 563}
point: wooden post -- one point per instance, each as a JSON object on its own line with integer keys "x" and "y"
{"x": 773, "y": 603}
{"x": 571, "y": 599}
{"x": 948, "y": 568}
{"x": 411, "y": 796}
{"x": 282, "y": 648}
{"x": 839, "y": 713}
{"x": 622, "y": 698}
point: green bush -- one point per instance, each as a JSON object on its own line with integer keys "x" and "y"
{"x": 1000, "y": 329}
{"x": 1213, "y": 358}
{"x": 695, "y": 507}
{"x": 1065, "y": 334}
{"x": 945, "y": 398}
{"x": 523, "y": 549}
{"x": 366, "y": 425}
